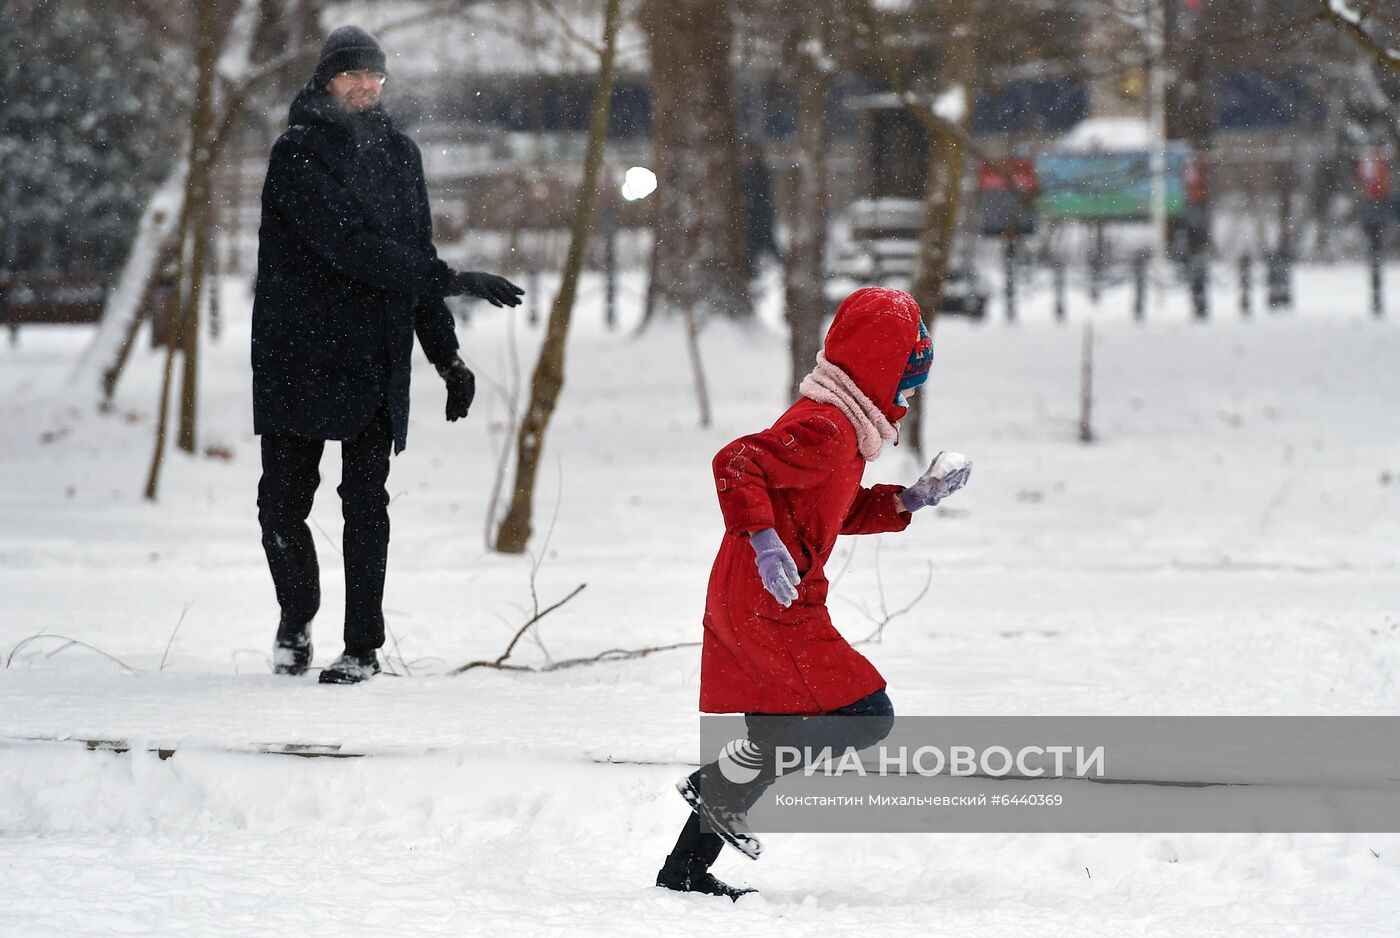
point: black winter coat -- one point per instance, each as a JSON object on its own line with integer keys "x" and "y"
{"x": 347, "y": 273}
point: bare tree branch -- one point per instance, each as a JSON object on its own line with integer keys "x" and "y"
{"x": 500, "y": 661}
{"x": 427, "y": 15}
{"x": 886, "y": 616}
{"x": 1352, "y": 23}
{"x": 67, "y": 643}
{"x": 875, "y": 43}
{"x": 511, "y": 396}
{"x": 617, "y": 654}
{"x": 563, "y": 23}
{"x": 179, "y": 622}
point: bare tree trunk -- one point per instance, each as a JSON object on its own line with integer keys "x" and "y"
{"x": 265, "y": 39}
{"x": 235, "y": 235}
{"x": 649, "y": 302}
{"x": 192, "y": 300}
{"x": 151, "y": 251}
{"x": 947, "y": 164}
{"x": 701, "y": 235}
{"x": 167, "y": 373}
{"x": 162, "y": 425}
{"x": 942, "y": 204}
{"x": 191, "y": 241}
{"x": 697, "y": 367}
{"x": 548, "y": 380}
{"x": 195, "y": 247}
{"x": 944, "y": 118}
{"x": 216, "y": 273}
{"x": 805, "y": 304}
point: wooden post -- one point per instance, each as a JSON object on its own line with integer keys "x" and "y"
{"x": 1246, "y": 285}
{"x": 1010, "y": 286}
{"x": 1059, "y": 274}
{"x": 1096, "y": 260}
{"x": 1139, "y": 286}
{"x": 1086, "y": 386}
{"x": 1377, "y": 283}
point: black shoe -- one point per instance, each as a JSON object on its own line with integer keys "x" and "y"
{"x": 292, "y": 653}
{"x": 291, "y": 659}
{"x": 692, "y": 876}
{"x": 351, "y": 668}
{"x": 726, "y": 820}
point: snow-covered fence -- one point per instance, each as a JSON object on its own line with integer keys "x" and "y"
{"x": 49, "y": 299}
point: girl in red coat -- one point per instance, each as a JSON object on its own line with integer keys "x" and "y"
{"x": 770, "y": 650}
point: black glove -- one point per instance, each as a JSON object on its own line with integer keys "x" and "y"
{"x": 498, "y": 291}
{"x": 461, "y": 388}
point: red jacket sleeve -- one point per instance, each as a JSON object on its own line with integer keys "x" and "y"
{"x": 874, "y": 512}
{"x": 797, "y": 455}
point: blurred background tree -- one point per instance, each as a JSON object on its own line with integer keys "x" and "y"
{"x": 86, "y": 97}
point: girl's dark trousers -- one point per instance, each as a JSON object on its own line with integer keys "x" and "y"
{"x": 699, "y": 845}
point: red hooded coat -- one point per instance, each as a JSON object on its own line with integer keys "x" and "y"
{"x": 802, "y": 477}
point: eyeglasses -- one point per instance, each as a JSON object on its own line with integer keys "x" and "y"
{"x": 360, "y": 75}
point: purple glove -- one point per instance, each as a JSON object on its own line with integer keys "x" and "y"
{"x": 945, "y": 475}
{"x": 775, "y": 566}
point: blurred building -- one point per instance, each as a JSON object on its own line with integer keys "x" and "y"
{"x": 498, "y": 95}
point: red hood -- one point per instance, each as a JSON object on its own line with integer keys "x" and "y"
{"x": 871, "y": 338}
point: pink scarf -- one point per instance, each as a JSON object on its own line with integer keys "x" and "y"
{"x": 828, "y": 384}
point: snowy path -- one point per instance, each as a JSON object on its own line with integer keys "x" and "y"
{"x": 1230, "y": 545}
{"x": 243, "y": 845}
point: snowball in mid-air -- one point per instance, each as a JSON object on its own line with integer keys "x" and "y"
{"x": 638, "y": 183}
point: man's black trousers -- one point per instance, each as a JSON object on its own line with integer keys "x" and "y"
{"x": 290, "y": 476}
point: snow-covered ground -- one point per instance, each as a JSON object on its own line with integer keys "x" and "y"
{"x": 1231, "y": 544}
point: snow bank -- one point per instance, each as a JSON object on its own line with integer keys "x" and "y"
{"x": 1230, "y": 545}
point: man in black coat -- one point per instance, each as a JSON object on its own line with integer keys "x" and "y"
{"x": 347, "y": 274}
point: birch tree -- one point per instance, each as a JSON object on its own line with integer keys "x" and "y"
{"x": 548, "y": 380}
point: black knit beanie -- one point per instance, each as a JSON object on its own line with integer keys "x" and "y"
{"x": 348, "y": 49}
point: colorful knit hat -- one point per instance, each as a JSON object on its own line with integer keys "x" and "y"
{"x": 916, "y": 370}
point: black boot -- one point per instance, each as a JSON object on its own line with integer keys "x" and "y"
{"x": 720, "y": 805}
{"x": 351, "y": 668}
{"x": 689, "y": 874}
{"x": 292, "y": 653}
